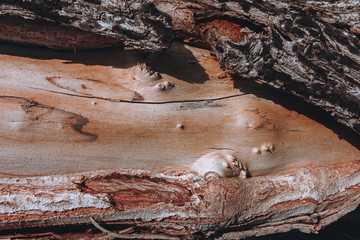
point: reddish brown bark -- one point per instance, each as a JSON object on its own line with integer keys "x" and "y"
{"x": 224, "y": 208}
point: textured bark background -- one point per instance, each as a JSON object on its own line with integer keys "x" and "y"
{"x": 186, "y": 206}
{"x": 85, "y": 24}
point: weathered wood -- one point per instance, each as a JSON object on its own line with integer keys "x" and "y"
{"x": 206, "y": 157}
{"x": 178, "y": 122}
{"x": 108, "y": 117}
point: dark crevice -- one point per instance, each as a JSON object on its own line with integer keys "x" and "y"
{"x": 345, "y": 228}
{"x": 286, "y": 37}
{"x": 58, "y": 232}
{"x": 242, "y": 22}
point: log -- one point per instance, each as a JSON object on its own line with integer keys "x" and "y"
{"x": 167, "y": 146}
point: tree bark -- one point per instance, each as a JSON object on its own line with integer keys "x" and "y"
{"x": 192, "y": 155}
{"x": 230, "y": 208}
{"x": 135, "y": 24}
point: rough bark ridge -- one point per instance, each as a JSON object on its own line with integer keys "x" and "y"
{"x": 62, "y": 24}
{"x": 230, "y": 208}
{"x": 309, "y": 49}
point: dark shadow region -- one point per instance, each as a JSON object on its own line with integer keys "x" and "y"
{"x": 115, "y": 57}
{"x": 179, "y": 62}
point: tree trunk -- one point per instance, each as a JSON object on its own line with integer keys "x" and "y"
{"x": 169, "y": 145}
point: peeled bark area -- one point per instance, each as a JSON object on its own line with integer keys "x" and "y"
{"x": 69, "y": 120}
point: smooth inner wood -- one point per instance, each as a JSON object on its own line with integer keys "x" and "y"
{"x": 66, "y": 113}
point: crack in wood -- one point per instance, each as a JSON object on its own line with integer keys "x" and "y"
{"x": 209, "y": 100}
{"x": 98, "y": 85}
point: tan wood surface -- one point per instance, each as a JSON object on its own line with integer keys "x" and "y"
{"x": 66, "y": 112}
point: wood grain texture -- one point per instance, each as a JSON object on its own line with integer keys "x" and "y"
{"x": 166, "y": 144}
{"x": 65, "y": 116}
